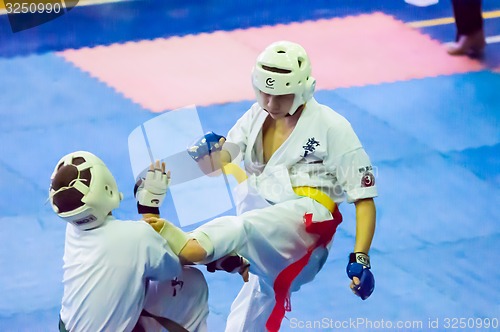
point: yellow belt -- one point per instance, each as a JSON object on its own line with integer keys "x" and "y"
{"x": 317, "y": 195}
{"x": 310, "y": 192}
{"x": 236, "y": 171}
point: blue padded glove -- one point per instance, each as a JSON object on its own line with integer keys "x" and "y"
{"x": 359, "y": 266}
{"x": 205, "y": 145}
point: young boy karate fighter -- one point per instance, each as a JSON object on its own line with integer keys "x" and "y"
{"x": 117, "y": 272}
{"x": 301, "y": 159}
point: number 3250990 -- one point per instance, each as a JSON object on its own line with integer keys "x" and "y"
{"x": 32, "y": 8}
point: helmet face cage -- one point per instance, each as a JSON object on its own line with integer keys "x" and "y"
{"x": 98, "y": 191}
{"x": 284, "y": 68}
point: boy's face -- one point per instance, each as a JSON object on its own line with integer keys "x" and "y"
{"x": 277, "y": 106}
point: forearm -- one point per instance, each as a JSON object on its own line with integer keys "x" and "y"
{"x": 365, "y": 224}
{"x": 188, "y": 249}
{"x": 182, "y": 244}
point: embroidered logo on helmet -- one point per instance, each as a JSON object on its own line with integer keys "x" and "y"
{"x": 270, "y": 82}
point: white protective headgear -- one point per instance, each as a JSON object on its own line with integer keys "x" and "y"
{"x": 284, "y": 68}
{"x": 83, "y": 191}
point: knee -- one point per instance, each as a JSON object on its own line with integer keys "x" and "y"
{"x": 221, "y": 236}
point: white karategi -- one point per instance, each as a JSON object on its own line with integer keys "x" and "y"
{"x": 107, "y": 271}
{"x": 270, "y": 230}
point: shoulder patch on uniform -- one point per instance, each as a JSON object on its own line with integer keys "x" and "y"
{"x": 367, "y": 180}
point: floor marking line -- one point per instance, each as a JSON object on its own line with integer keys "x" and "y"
{"x": 448, "y": 20}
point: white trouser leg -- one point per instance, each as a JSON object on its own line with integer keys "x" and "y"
{"x": 252, "y": 307}
{"x": 272, "y": 239}
{"x": 188, "y": 307}
{"x": 226, "y": 234}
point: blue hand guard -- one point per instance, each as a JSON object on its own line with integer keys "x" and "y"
{"x": 205, "y": 145}
{"x": 359, "y": 266}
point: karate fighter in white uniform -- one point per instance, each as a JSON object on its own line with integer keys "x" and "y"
{"x": 301, "y": 159}
{"x": 114, "y": 269}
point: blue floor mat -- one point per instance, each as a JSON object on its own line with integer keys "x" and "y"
{"x": 434, "y": 142}
{"x": 482, "y": 161}
{"x": 87, "y": 26}
{"x": 441, "y": 112}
